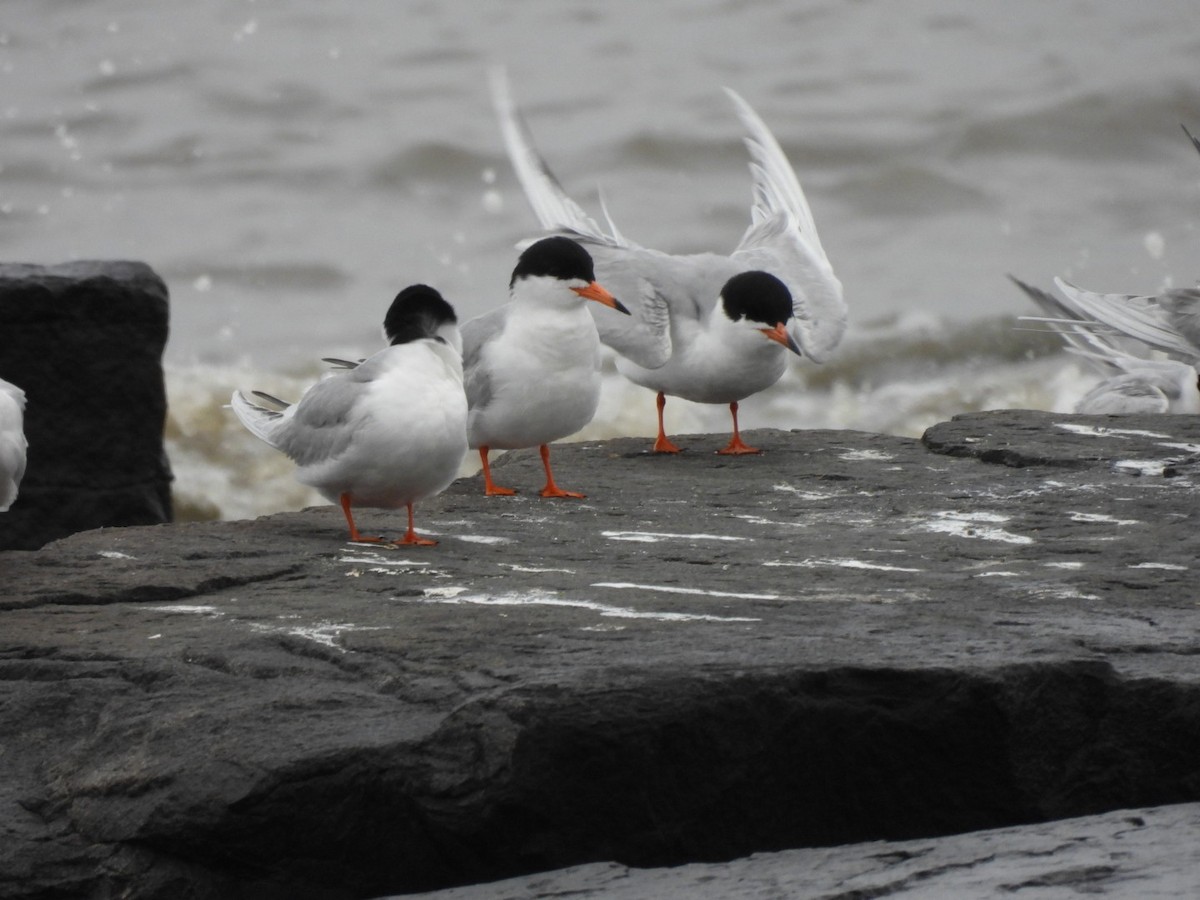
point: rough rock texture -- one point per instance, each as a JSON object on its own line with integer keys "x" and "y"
{"x": 1134, "y": 854}
{"x": 84, "y": 340}
{"x": 853, "y": 637}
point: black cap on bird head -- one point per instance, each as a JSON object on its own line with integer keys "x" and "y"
{"x": 758, "y": 296}
{"x": 558, "y": 257}
{"x": 417, "y": 312}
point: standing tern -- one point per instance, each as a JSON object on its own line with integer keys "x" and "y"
{"x": 386, "y": 433}
{"x": 532, "y": 366}
{"x": 686, "y": 307}
{"x": 12, "y": 442}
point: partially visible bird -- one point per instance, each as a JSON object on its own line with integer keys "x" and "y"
{"x": 388, "y": 432}
{"x": 1195, "y": 141}
{"x": 531, "y": 366}
{"x": 13, "y": 445}
{"x": 1169, "y": 321}
{"x": 686, "y": 308}
{"x": 1136, "y": 381}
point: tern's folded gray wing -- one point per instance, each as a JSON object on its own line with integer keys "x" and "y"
{"x": 476, "y": 335}
{"x": 322, "y": 426}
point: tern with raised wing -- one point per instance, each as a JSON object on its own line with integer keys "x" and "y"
{"x": 705, "y": 326}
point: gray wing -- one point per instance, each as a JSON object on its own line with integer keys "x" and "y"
{"x": 1140, "y": 317}
{"x": 1182, "y": 306}
{"x": 1195, "y": 141}
{"x": 550, "y": 203}
{"x": 782, "y": 239}
{"x": 661, "y": 291}
{"x": 322, "y": 424}
{"x": 476, "y": 335}
{"x": 1085, "y": 337}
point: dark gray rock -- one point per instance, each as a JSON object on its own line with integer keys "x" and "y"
{"x": 1134, "y": 854}
{"x": 850, "y": 638}
{"x": 84, "y": 340}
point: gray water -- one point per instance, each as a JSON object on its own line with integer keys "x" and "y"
{"x": 287, "y": 166}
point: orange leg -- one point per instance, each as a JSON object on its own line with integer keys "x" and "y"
{"x": 411, "y": 537}
{"x": 355, "y": 537}
{"x": 551, "y": 489}
{"x": 490, "y": 487}
{"x": 736, "y": 446}
{"x": 663, "y": 444}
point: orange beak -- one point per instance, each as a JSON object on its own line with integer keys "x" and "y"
{"x": 595, "y": 292}
{"x": 780, "y": 335}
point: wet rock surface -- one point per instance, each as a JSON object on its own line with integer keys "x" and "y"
{"x": 853, "y": 637}
{"x": 85, "y": 340}
{"x": 1130, "y": 854}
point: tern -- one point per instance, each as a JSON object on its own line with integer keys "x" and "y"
{"x": 387, "y": 433}
{"x": 532, "y": 366}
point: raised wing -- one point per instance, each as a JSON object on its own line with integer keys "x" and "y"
{"x": 1195, "y": 141}
{"x": 819, "y": 314}
{"x": 1140, "y": 317}
{"x": 782, "y": 239}
{"x": 553, "y": 208}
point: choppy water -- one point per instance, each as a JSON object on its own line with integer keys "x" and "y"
{"x": 287, "y": 166}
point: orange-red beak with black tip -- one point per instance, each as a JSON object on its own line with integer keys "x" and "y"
{"x": 595, "y": 292}
{"x": 780, "y": 335}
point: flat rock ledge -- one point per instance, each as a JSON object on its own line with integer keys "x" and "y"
{"x": 851, "y": 639}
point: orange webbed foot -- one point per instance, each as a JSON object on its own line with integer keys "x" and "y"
{"x": 556, "y": 491}
{"x": 414, "y": 540}
{"x": 737, "y": 448}
{"x": 663, "y": 445}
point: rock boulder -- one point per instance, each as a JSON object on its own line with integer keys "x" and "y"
{"x": 84, "y": 340}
